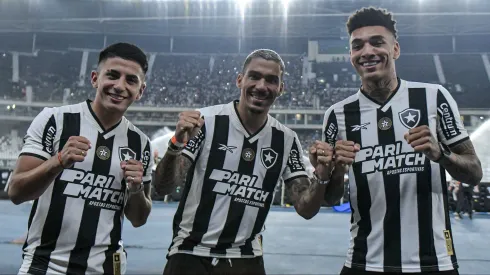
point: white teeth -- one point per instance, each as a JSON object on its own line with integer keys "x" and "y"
{"x": 373, "y": 63}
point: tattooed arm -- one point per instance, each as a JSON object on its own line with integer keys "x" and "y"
{"x": 306, "y": 196}
{"x": 463, "y": 163}
{"x": 335, "y": 188}
{"x": 170, "y": 173}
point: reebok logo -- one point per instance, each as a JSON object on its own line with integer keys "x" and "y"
{"x": 359, "y": 127}
{"x": 224, "y": 147}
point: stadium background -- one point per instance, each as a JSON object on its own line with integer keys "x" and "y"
{"x": 195, "y": 49}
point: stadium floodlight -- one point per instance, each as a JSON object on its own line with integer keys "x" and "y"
{"x": 242, "y": 6}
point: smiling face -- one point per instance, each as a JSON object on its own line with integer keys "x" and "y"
{"x": 373, "y": 51}
{"x": 119, "y": 82}
{"x": 260, "y": 84}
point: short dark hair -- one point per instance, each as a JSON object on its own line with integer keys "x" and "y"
{"x": 125, "y": 51}
{"x": 264, "y": 54}
{"x": 371, "y": 16}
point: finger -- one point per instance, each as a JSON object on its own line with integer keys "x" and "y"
{"x": 420, "y": 141}
{"x": 194, "y": 121}
{"x": 418, "y": 129}
{"x": 347, "y": 148}
{"x": 190, "y": 114}
{"x": 76, "y": 158}
{"x": 134, "y": 174}
{"x": 325, "y": 160}
{"x": 344, "y": 142}
{"x": 357, "y": 147}
{"x": 344, "y": 160}
{"x": 133, "y": 167}
{"x": 81, "y": 146}
{"x": 345, "y": 155}
{"x": 313, "y": 150}
{"x": 416, "y": 136}
{"x": 134, "y": 162}
{"x": 185, "y": 126}
{"x": 81, "y": 139}
{"x": 422, "y": 148}
{"x": 201, "y": 121}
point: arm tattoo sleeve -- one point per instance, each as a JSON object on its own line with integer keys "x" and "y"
{"x": 463, "y": 164}
{"x": 170, "y": 173}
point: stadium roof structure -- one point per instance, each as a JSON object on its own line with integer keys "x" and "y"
{"x": 238, "y": 18}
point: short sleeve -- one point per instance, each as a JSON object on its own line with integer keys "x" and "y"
{"x": 330, "y": 127}
{"x": 295, "y": 168}
{"x": 193, "y": 146}
{"x": 148, "y": 161}
{"x": 40, "y": 137}
{"x": 450, "y": 128}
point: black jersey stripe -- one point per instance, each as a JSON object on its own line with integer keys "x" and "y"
{"x": 352, "y": 115}
{"x": 90, "y": 215}
{"x": 236, "y": 209}
{"x": 392, "y": 221}
{"x": 417, "y": 98}
{"x": 208, "y": 197}
{"x": 270, "y": 180}
{"x": 54, "y": 218}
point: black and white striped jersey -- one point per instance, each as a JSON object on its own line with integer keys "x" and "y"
{"x": 229, "y": 188}
{"x": 400, "y": 220}
{"x": 75, "y": 226}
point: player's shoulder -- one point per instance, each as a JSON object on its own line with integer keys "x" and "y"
{"x": 429, "y": 87}
{"x": 58, "y": 111}
{"x": 274, "y": 123}
{"x": 341, "y": 104}
{"x": 130, "y": 126}
{"x": 215, "y": 110}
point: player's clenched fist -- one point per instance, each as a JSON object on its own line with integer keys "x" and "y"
{"x": 75, "y": 150}
{"x": 345, "y": 152}
{"x": 133, "y": 173}
{"x": 321, "y": 156}
{"x": 421, "y": 140}
{"x": 188, "y": 126}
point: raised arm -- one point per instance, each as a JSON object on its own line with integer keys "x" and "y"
{"x": 182, "y": 151}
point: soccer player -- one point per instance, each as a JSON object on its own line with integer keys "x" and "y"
{"x": 396, "y": 139}
{"x": 86, "y": 167}
{"x": 229, "y": 158}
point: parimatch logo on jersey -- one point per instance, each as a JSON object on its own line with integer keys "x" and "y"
{"x": 95, "y": 188}
{"x": 391, "y": 159}
{"x": 242, "y": 188}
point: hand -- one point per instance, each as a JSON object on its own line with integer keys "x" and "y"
{"x": 189, "y": 124}
{"x": 321, "y": 155}
{"x": 421, "y": 140}
{"x": 75, "y": 150}
{"x": 133, "y": 173}
{"x": 345, "y": 153}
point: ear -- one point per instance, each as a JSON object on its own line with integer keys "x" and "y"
{"x": 396, "y": 49}
{"x": 239, "y": 80}
{"x": 281, "y": 89}
{"x": 94, "y": 76}
{"x": 141, "y": 91}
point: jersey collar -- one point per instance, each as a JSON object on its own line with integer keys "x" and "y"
{"x": 400, "y": 86}
{"x": 237, "y": 122}
{"x": 89, "y": 112}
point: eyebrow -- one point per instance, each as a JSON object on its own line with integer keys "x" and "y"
{"x": 374, "y": 37}
{"x": 129, "y": 76}
{"x": 259, "y": 73}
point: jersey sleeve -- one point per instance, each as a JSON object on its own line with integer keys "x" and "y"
{"x": 450, "y": 128}
{"x": 148, "y": 161}
{"x": 40, "y": 137}
{"x": 193, "y": 147}
{"x": 330, "y": 127}
{"x": 295, "y": 168}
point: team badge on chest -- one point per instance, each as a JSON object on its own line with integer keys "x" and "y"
{"x": 385, "y": 123}
{"x": 248, "y": 154}
{"x": 125, "y": 154}
{"x": 409, "y": 118}
{"x": 268, "y": 157}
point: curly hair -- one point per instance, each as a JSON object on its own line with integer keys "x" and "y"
{"x": 371, "y": 16}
